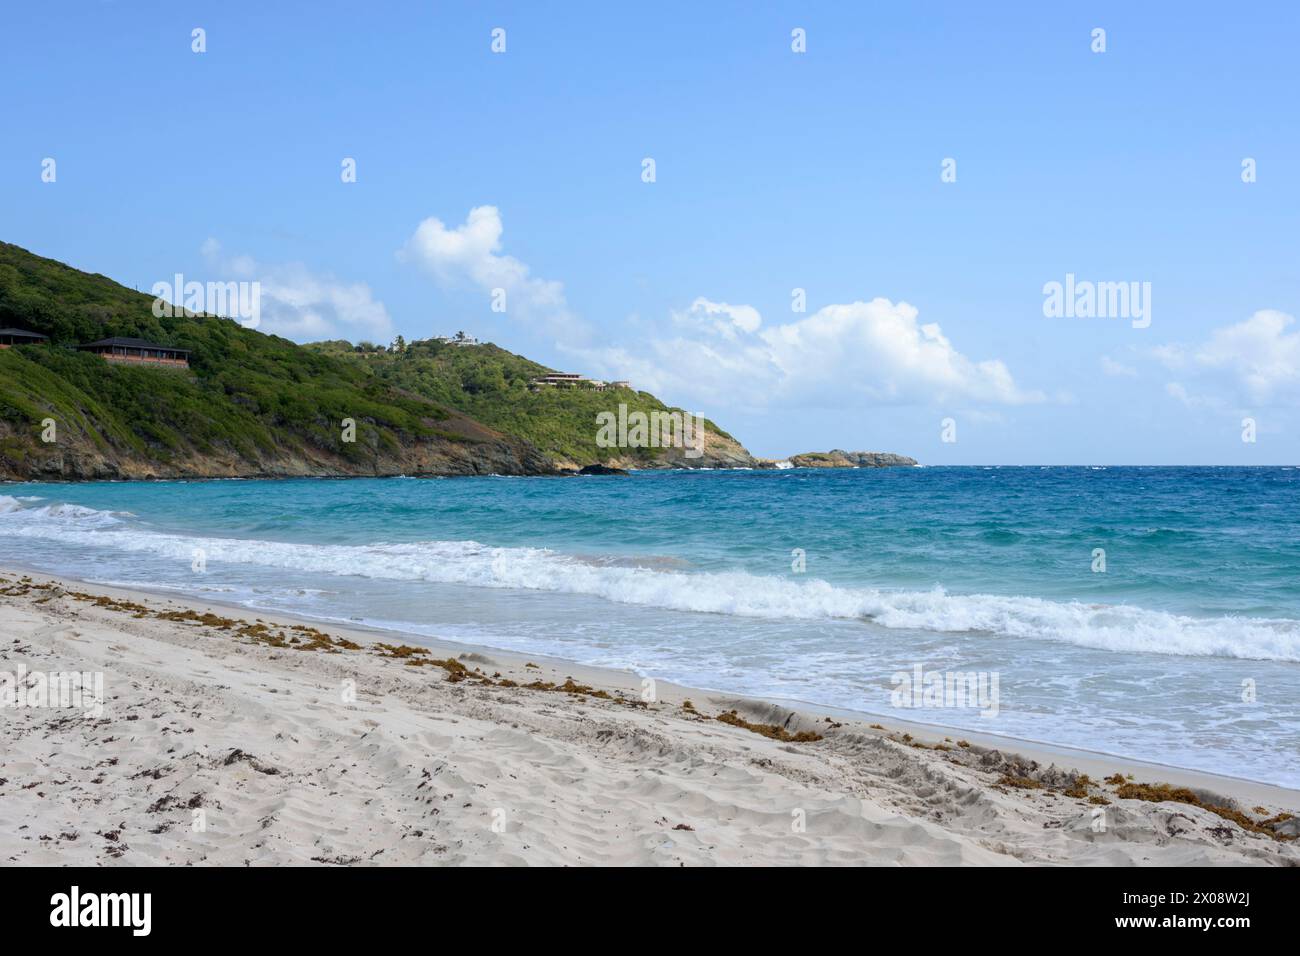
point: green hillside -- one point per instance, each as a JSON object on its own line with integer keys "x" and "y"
{"x": 250, "y": 404}
{"x": 491, "y": 385}
{"x": 254, "y": 404}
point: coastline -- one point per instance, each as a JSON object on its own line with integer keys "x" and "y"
{"x": 207, "y": 709}
{"x": 1091, "y": 762}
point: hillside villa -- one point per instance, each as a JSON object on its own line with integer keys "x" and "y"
{"x": 119, "y": 349}
{"x": 460, "y": 338}
{"x": 574, "y": 380}
{"x": 10, "y": 337}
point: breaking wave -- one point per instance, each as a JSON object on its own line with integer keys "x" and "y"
{"x": 656, "y": 583}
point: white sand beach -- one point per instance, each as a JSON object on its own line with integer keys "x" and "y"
{"x": 233, "y": 737}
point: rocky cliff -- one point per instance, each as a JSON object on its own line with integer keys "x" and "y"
{"x": 838, "y": 458}
{"x": 78, "y": 457}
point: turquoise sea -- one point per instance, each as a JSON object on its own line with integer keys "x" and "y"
{"x": 810, "y": 585}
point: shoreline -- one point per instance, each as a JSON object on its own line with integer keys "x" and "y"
{"x": 226, "y": 709}
{"x": 1087, "y": 761}
{"x": 7, "y": 482}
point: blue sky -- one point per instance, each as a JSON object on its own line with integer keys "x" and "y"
{"x": 775, "y": 171}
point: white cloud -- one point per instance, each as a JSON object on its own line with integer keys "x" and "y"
{"x": 1112, "y": 367}
{"x": 723, "y": 318}
{"x": 1259, "y": 352}
{"x": 1254, "y": 361}
{"x": 302, "y": 305}
{"x": 874, "y": 352}
{"x": 471, "y": 252}
{"x": 1179, "y": 393}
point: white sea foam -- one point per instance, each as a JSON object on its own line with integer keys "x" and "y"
{"x": 1120, "y": 628}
